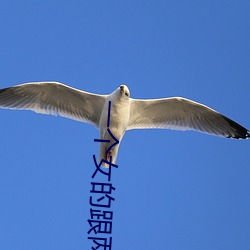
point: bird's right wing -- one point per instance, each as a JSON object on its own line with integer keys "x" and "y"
{"x": 54, "y": 98}
{"x": 182, "y": 114}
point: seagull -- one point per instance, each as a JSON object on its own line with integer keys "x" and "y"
{"x": 125, "y": 113}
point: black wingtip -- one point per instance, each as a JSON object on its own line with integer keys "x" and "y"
{"x": 239, "y": 131}
{"x": 3, "y": 90}
{"x": 248, "y": 134}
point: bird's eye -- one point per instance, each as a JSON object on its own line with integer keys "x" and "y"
{"x": 126, "y": 93}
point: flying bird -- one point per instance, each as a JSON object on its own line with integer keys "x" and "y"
{"x": 126, "y": 113}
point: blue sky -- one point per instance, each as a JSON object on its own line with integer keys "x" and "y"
{"x": 174, "y": 190}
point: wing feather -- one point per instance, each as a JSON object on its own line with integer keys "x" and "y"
{"x": 182, "y": 114}
{"x": 54, "y": 98}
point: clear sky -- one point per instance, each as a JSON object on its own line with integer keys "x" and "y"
{"x": 174, "y": 190}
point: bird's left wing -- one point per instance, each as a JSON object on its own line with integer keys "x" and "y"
{"x": 182, "y": 114}
{"x": 54, "y": 98}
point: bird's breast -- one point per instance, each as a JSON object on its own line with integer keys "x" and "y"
{"x": 117, "y": 118}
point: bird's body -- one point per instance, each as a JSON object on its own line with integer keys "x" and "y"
{"x": 118, "y": 122}
{"x": 125, "y": 113}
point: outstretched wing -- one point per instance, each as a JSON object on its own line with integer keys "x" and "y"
{"x": 182, "y": 114}
{"x": 54, "y": 98}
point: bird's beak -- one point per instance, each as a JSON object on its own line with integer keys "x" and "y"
{"x": 122, "y": 88}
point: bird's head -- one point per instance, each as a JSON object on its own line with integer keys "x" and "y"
{"x": 124, "y": 91}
